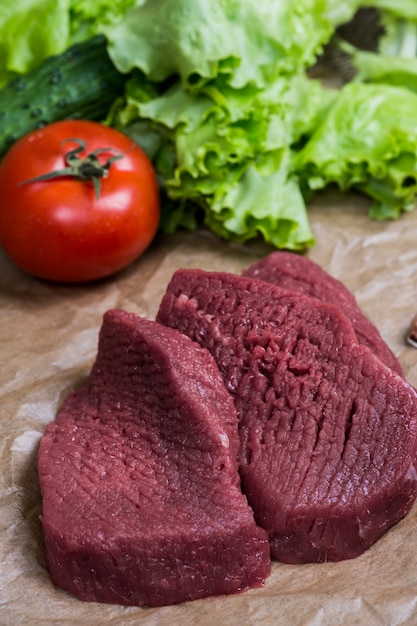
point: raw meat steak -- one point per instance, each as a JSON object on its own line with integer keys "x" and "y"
{"x": 328, "y": 432}
{"x": 299, "y": 273}
{"x": 141, "y": 493}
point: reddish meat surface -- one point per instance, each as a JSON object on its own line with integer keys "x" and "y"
{"x": 299, "y": 273}
{"x": 328, "y": 432}
{"x": 141, "y": 494}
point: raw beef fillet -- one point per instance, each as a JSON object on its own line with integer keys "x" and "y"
{"x": 328, "y": 432}
{"x": 295, "y": 272}
{"x": 142, "y": 501}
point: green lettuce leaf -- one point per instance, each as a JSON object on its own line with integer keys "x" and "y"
{"x": 89, "y": 17}
{"x": 222, "y": 91}
{"x": 377, "y": 68}
{"x": 403, "y": 9}
{"x": 31, "y": 30}
{"x": 366, "y": 141}
{"x": 246, "y": 42}
{"x": 395, "y": 63}
{"x": 226, "y": 153}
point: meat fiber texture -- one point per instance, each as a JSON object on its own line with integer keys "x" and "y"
{"x": 299, "y": 273}
{"x": 328, "y": 432}
{"x": 142, "y": 502}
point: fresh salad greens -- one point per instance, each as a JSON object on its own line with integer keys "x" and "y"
{"x": 221, "y": 97}
{"x": 395, "y": 63}
{"x": 32, "y": 30}
{"x": 223, "y": 86}
{"x": 367, "y": 140}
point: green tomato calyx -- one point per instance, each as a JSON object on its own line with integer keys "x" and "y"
{"x": 84, "y": 169}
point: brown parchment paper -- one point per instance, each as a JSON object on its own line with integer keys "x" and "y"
{"x": 48, "y": 338}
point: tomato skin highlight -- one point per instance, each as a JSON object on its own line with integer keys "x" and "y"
{"x": 58, "y": 229}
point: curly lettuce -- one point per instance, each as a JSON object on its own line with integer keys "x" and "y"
{"x": 366, "y": 141}
{"x": 243, "y": 42}
{"x": 223, "y": 87}
{"x": 395, "y": 62}
{"x": 32, "y": 30}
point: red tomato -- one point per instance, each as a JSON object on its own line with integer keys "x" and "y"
{"x": 59, "y": 229}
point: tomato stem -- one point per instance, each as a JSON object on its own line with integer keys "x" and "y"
{"x": 87, "y": 168}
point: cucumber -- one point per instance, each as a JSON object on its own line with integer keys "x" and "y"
{"x": 82, "y": 83}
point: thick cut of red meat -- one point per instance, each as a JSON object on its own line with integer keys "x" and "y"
{"x": 141, "y": 493}
{"x": 299, "y": 273}
{"x": 328, "y": 432}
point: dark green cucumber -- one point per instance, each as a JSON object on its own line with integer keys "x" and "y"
{"x": 80, "y": 83}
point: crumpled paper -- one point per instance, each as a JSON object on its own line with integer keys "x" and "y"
{"x": 48, "y": 336}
